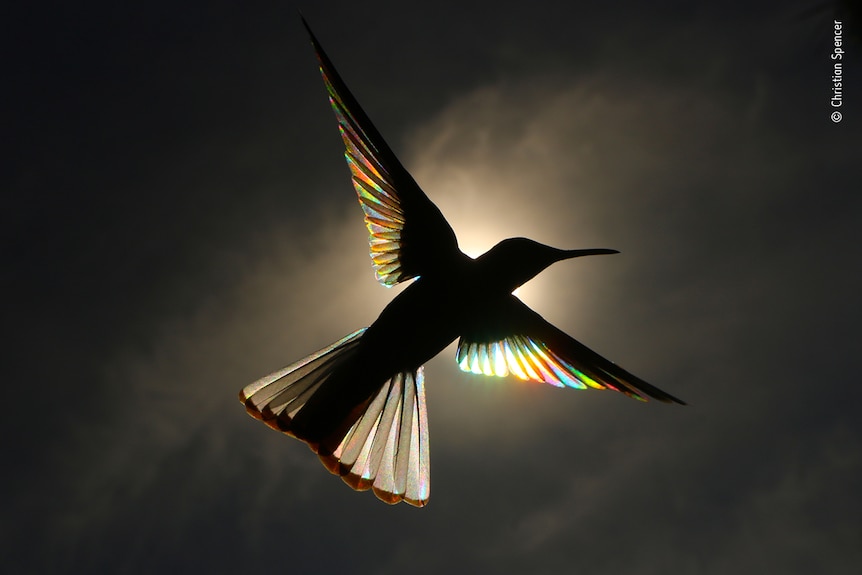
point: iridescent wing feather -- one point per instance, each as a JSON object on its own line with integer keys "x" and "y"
{"x": 510, "y": 338}
{"x": 408, "y": 235}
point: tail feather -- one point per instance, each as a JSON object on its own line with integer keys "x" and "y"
{"x": 382, "y": 443}
{"x": 276, "y": 398}
{"x": 387, "y": 449}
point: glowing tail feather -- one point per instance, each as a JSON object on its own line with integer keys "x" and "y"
{"x": 384, "y": 447}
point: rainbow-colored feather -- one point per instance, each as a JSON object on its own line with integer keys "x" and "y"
{"x": 384, "y": 216}
{"x": 524, "y": 358}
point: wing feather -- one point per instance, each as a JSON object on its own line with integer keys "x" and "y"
{"x": 402, "y": 222}
{"x": 508, "y": 337}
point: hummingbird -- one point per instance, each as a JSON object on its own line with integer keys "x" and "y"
{"x": 359, "y": 403}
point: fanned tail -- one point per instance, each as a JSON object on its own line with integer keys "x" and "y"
{"x": 380, "y": 442}
{"x": 277, "y": 398}
{"x": 387, "y": 448}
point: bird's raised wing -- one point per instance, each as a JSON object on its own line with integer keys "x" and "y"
{"x": 409, "y": 236}
{"x": 510, "y": 338}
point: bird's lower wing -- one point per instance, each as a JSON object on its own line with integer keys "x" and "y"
{"x": 510, "y": 338}
{"x": 384, "y": 447}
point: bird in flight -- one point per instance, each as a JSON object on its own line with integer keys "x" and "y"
{"x": 359, "y": 403}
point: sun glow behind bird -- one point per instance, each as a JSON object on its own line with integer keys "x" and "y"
{"x": 498, "y": 162}
{"x": 483, "y": 197}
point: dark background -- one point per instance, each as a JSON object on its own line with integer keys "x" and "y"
{"x": 178, "y": 221}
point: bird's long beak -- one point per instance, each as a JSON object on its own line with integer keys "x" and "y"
{"x": 568, "y": 254}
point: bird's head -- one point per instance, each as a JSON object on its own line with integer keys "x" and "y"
{"x": 515, "y": 261}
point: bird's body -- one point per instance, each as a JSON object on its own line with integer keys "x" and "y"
{"x": 417, "y": 325}
{"x": 413, "y": 328}
{"x": 360, "y": 403}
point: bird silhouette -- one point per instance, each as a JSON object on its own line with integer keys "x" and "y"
{"x": 360, "y": 402}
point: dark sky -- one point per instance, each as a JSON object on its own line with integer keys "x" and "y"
{"x": 178, "y": 221}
